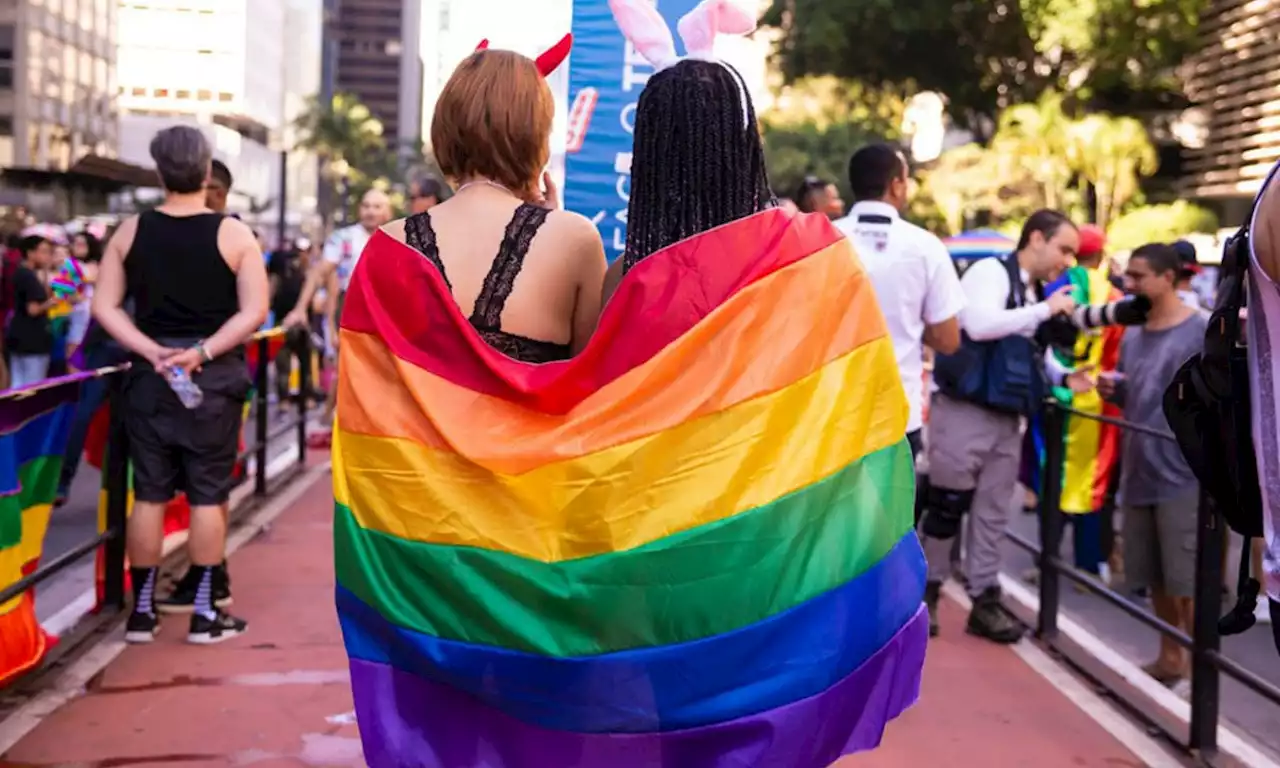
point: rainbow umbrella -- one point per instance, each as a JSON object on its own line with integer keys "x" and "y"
{"x": 967, "y": 247}
{"x": 978, "y": 244}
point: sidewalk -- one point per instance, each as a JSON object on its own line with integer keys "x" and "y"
{"x": 279, "y": 696}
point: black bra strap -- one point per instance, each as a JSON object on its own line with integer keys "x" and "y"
{"x": 421, "y": 236}
{"x": 500, "y": 281}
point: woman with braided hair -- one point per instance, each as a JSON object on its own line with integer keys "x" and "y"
{"x": 689, "y": 543}
{"x": 695, "y": 166}
{"x": 697, "y": 163}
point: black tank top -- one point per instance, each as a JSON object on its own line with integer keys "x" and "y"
{"x": 486, "y": 318}
{"x": 181, "y": 285}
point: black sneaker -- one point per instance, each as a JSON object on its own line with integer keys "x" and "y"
{"x": 210, "y": 631}
{"x": 990, "y": 620}
{"x": 141, "y": 628}
{"x": 183, "y": 597}
{"x": 931, "y": 592}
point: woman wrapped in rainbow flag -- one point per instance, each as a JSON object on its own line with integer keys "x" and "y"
{"x": 692, "y": 543}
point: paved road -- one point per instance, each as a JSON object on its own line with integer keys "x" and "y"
{"x": 1255, "y": 650}
{"x": 280, "y": 696}
{"x": 77, "y": 521}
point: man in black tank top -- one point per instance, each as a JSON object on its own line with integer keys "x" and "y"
{"x": 199, "y": 287}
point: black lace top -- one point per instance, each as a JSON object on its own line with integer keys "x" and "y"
{"x": 486, "y": 318}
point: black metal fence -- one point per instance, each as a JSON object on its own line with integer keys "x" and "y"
{"x": 116, "y": 468}
{"x": 1204, "y": 643}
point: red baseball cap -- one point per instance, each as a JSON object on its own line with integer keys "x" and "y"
{"x": 1092, "y": 240}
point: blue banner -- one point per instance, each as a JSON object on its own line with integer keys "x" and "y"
{"x": 606, "y": 76}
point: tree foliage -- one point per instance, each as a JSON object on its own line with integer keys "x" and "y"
{"x": 354, "y": 155}
{"x": 343, "y": 130}
{"x": 1159, "y": 224}
{"x": 1090, "y": 168}
{"x": 985, "y": 56}
{"x": 815, "y": 124}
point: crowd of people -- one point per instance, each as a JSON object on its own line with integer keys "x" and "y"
{"x": 1051, "y": 319}
{"x": 975, "y": 450}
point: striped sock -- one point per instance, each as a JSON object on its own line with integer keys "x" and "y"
{"x": 204, "y": 591}
{"x": 144, "y": 588}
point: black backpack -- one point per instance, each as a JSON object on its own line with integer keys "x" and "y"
{"x": 1207, "y": 407}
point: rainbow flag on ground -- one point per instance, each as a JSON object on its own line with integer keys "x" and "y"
{"x": 690, "y": 545}
{"x": 33, "y": 438}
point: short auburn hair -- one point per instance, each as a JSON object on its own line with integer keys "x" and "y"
{"x": 493, "y": 119}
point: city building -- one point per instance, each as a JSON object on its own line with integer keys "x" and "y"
{"x": 376, "y": 54}
{"x": 1232, "y": 132}
{"x": 304, "y": 22}
{"x": 239, "y": 70}
{"x": 58, "y": 127}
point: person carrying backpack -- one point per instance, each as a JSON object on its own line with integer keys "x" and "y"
{"x": 1222, "y": 404}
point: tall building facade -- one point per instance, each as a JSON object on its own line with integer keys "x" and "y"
{"x": 57, "y": 82}
{"x": 1234, "y": 126}
{"x": 238, "y": 69}
{"x": 376, "y": 45}
{"x": 304, "y": 22}
{"x": 211, "y": 63}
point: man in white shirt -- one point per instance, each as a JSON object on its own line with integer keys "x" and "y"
{"x": 976, "y": 418}
{"x": 340, "y": 255}
{"x": 913, "y": 275}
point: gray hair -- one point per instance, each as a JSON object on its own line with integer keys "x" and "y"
{"x": 182, "y": 155}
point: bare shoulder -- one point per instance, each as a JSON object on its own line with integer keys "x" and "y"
{"x": 395, "y": 229}
{"x": 235, "y": 231}
{"x": 122, "y": 240}
{"x": 577, "y": 233}
{"x": 236, "y": 241}
{"x": 575, "y": 225}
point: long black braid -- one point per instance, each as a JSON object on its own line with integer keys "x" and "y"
{"x": 694, "y": 166}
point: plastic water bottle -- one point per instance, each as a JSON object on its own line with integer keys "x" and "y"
{"x": 184, "y": 387}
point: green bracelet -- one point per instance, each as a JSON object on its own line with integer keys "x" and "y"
{"x": 204, "y": 353}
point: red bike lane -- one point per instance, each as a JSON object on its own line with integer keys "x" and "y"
{"x": 279, "y": 696}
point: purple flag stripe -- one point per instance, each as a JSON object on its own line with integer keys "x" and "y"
{"x": 409, "y": 722}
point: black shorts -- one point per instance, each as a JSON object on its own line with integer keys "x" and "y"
{"x": 174, "y": 448}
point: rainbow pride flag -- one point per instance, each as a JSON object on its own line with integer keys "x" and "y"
{"x": 33, "y": 438}
{"x": 1092, "y": 447}
{"x": 690, "y": 545}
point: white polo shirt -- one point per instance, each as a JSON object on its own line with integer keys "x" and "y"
{"x": 915, "y": 282}
{"x": 343, "y": 249}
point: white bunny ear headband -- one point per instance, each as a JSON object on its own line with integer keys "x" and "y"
{"x": 647, "y": 31}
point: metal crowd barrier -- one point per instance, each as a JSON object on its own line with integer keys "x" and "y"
{"x": 1207, "y": 661}
{"x": 116, "y": 468}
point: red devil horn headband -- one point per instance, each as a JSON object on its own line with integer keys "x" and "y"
{"x": 550, "y": 60}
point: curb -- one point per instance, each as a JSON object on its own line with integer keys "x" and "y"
{"x": 71, "y": 683}
{"x": 1130, "y": 684}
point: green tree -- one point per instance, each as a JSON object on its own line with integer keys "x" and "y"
{"x": 348, "y": 139}
{"x": 985, "y": 56}
{"x": 1159, "y": 224}
{"x": 815, "y": 124}
{"x": 1037, "y": 137}
{"x": 1111, "y": 154}
{"x": 1040, "y": 157}
{"x": 342, "y": 130}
